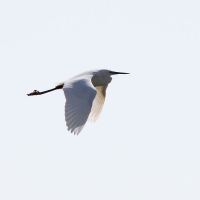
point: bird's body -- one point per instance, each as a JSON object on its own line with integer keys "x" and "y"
{"x": 85, "y": 96}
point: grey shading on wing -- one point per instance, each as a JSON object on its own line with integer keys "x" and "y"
{"x": 79, "y": 95}
{"x": 98, "y": 103}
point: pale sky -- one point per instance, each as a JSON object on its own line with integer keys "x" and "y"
{"x": 145, "y": 144}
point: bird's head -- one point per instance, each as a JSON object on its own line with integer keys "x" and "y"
{"x": 102, "y": 77}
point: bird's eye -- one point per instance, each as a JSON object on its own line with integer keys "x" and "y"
{"x": 111, "y": 72}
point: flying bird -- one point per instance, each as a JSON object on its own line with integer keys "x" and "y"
{"x": 85, "y": 96}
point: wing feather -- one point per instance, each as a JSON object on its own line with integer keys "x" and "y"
{"x": 79, "y": 94}
{"x": 98, "y": 103}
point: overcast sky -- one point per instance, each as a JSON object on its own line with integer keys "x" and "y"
{"x": 145, "y": 144}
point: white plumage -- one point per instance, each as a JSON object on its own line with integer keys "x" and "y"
{"x": 85, "y": 96}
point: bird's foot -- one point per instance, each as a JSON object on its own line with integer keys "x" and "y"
{"x": 35, "y": 92}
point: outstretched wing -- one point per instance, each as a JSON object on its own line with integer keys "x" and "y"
{"x": 79, "y": 94}
{"x": 98, "y": 103}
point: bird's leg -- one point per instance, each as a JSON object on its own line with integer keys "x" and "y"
{"x": 36, "y": 92}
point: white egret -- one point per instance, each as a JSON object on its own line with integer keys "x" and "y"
{"x": 85, "y": 96}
